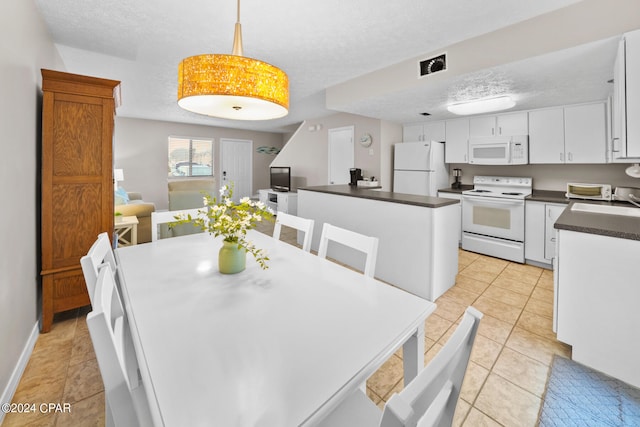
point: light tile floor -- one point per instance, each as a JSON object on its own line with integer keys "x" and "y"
{"x": 504, "y": 383}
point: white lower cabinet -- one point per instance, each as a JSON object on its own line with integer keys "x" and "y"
{"x": 551, "y": 214}
{"x": 540, "y": 236}
{"x": 597, "y": 302}
{"x": 456, "y": 196}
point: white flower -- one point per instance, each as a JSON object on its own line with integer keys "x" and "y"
{"x": 231, "y": 220}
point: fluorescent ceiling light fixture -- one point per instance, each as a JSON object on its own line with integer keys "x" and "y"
{"x": 482, "y": 106}
{"x": 233, "y": 86}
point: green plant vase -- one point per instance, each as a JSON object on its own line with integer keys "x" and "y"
{"x": 231, "y": 260}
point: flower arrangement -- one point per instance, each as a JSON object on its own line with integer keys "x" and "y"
{"x": 231, "y": 220}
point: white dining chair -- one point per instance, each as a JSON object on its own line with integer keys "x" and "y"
{"x": 99, "y": 254}
{"x": 360, "y": 242}
{"x": 301, "y": 224}
{"x": 428, "y": 400}
{"x": 126, "y": 404}
{"x": 165, "y": 217}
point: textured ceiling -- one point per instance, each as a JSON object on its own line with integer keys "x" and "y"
{"x": 319, "y": 44}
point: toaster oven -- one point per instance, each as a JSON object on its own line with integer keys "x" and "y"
{"x": 588, "y": 191}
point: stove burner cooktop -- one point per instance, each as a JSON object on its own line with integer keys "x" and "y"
{"x": 500, "y": 187}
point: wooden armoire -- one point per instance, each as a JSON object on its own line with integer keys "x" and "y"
{"x": 77, "y": 182}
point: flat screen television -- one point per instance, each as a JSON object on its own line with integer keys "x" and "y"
{"x": 280, "y": 178}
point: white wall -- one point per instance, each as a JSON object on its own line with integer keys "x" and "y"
{"x": 140, "y": 149}
{"x": 307, "y": 149}
{"x": 26, "y": 48}
{"x": 554, "y": 177}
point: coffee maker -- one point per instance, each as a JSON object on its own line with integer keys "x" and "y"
{"x": 457, "y": 173}
{"x": 356, "y": 175}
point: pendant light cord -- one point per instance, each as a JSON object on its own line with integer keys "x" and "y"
{"x": 237, "y": 36}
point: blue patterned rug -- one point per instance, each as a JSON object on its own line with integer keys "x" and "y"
{"x": 582, "y": 397}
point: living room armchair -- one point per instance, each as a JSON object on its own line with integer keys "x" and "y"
{"x": 187, "y": 194}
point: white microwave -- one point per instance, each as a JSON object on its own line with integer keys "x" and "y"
{"x": 499, "y": 150}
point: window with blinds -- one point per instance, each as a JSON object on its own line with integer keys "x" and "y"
{"x": 190, "y": 157}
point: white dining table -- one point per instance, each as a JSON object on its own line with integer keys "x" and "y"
{"x": 275, "y": 347}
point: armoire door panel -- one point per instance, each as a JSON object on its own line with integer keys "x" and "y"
{"x": 77, "y": 140}
{"x": 77, "y": 222}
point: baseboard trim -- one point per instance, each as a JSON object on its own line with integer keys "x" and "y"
{"x": 12, "y": 386}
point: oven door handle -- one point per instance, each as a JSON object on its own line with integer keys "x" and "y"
{"x": 493, "y": 200}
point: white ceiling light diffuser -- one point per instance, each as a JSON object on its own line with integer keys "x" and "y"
{"x": 482, "y": 106}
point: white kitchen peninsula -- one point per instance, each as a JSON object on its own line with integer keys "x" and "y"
{"x": 597, "y": 290}
{"x": 418, "y": 248}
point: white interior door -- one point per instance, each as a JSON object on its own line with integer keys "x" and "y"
{"x": 341, "y": 154}
{"x": 237, "y": 166}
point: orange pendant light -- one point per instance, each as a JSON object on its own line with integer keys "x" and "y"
{"x": 233, "y": 86}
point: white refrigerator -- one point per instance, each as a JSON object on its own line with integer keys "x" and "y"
{"x": 419, "y": 168}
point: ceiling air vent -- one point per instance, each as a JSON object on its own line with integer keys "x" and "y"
{"x": 433, "y": 65}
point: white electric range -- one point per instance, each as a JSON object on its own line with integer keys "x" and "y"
{"x": 493, "y": 216}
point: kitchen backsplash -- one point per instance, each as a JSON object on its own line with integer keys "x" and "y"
{"x": 553, "y": 177}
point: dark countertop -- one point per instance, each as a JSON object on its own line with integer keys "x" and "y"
{"x": 383, "y": 196}
{"x": 463, "y": 187}
{"x": 548, "y": 196}
{"x": 623, "y": 227}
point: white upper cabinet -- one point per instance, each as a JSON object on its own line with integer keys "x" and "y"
{"x": 412, "y": 133}
{"x": 457, "y": 143}
{"x": 573, "y": 134}
{"x": 500, "y": 125}
{"x": 546, "y": 136}
{"x": 626, "y": 100}
{"x": 433, "y": 131}
{"x": 585, "y": 133}
{"x": 482, "y": 126}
